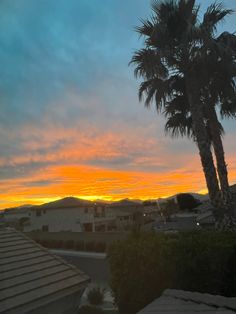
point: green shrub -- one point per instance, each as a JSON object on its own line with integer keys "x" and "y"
{"x": 87, "y": 309}
{"x": 95, "y": 295}
{"x": 201, "y": 262}
{"x": 145, "y": 264}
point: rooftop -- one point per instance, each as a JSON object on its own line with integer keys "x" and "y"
{"x": 179, "y": 301}
{"x": 31, "y": 276}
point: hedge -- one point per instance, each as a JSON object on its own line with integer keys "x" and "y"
{"x": 145, "y": 264}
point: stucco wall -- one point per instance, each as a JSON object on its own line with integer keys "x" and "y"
{"x": 106, "y": 237}
{"x": 56, "y": 220}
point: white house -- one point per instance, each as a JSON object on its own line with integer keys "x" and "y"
{"x": 70, "y": 214}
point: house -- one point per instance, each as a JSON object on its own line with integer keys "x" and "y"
{"x": 70, "y": 214}
{"x": 35, "y": 281}
{"x": 179, "y": 302}
{"x": 16, "y": 214}
{"x": 126, "y": 213}
{"x": 178, "y": 222}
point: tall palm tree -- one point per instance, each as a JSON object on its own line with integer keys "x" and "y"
{"x": 176, "y": 47}
{"x": 179, "y": 123}
{"x": 220, "y": 91}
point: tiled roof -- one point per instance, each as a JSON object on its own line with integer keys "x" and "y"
{"x": 31, "y": 276}
{"x": 179, "y": 302}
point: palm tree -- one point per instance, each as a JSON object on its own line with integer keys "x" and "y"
{"x": 176, "y": 50}
{"x": 220, "y": 91}
{"x": 179, "y": 123}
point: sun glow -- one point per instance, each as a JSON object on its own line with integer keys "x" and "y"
{"x": 146, "y": 170}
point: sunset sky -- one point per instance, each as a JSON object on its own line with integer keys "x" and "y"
{"x": 70, "y": 120}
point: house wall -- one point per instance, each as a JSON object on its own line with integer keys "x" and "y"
{"x": 67, "y": 219}
{"x": 106, "y": 237}
{"x": 54, "y": 220}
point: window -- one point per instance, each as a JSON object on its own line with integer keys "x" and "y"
{"x": 45, "y": 228}
{"x": 88, "y": 227}
{"x": 38, "y": 212}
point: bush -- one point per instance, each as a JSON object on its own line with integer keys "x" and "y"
{"x": 144, "y": 265}
{"x": 87, "y": 309}
{"x": 187, "y": 201}
{"x": 200, "y": 261}
{"x": 95, "y": 295}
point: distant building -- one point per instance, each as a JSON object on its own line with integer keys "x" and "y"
{"x": 70, "y": 214}
{"x": 13, "y": 215}
{"x": 178, "y": 222}
{"x": 127, "y": 213}
{"x": 34, "y": 281}
{"x": 178, "y": 301}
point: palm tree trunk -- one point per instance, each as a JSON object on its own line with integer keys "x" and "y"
{"x": 219, "y": 153}
{"x": 204, "y": 147}
{"x": 220, "y": 158}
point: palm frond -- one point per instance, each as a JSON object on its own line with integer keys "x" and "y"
{"x": 178, "y": 104}
{"x": 148, "y": 64}
{"x": 163, "y": 10}
{"x": 179, "y": 124}
{"x": 215, "y": 13}
{"x": 157, "y": 90}
{"x": 147, "y": 27}
{"x": 228, "y": 40}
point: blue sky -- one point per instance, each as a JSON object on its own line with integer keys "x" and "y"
{"x": 65, "y": 86}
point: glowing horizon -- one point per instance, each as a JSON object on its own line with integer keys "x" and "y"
{"x": 69, "y": 184}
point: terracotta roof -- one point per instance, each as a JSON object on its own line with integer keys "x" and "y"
{"x": 179, "y": 302}
{"x": 31, "y": 276}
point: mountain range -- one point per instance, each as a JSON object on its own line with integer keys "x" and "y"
{"x": 75, "y": 202}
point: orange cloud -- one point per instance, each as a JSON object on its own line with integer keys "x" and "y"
{"x": 98, "y": 164}
{"x": 93, "y": 182}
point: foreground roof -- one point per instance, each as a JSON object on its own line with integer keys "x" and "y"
{"x": 178, "y": 301}
{"x": 31, "y": 276}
